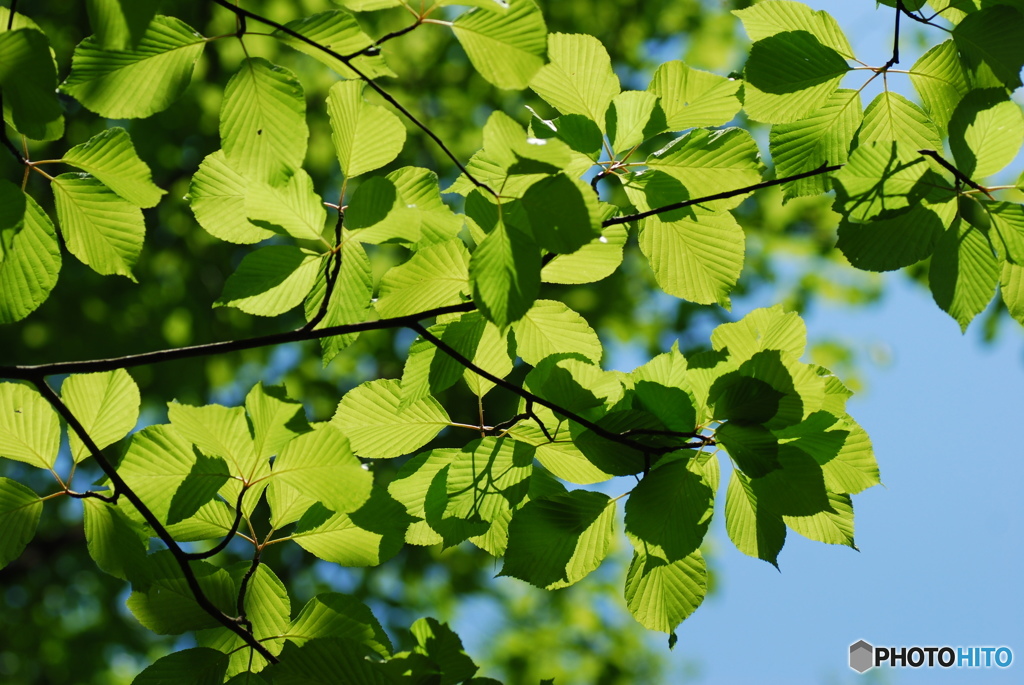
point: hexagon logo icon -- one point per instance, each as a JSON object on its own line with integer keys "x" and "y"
{"x": 862, "y": 656}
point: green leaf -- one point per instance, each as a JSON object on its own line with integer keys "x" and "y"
{"x": 111, "y": 157}
{"x": 271, "y": 280}
{"x": 263, "y": 121}
{"x": 410, "y": 487}
{"x": 340, "y": 31}
{"x": 579, "y": 79}
{"x": 660, "y": 595}
{"x": 893, "y": 240}
{"x": 844, "y": 453}
{"x": 505, "y": 270}
{"x": 796, "y": 489}
{"x": 20, "y": 509}
{"x": 563, "y": 212}
{"x": 755, "y": 532}
{"x": 708, "y": 162}
{"x": 833, "y": 526}
{"x": 762, "y": 329}
{"x": 292, "y": 208}
{"x": 1006, "y": 220}
{"x": 550, "y": 327}
{"x": 378, "y": 428}
{"x": 435, "y": 276}
{"x": 29, "y": 255}
{"x": 892, "y": 117}
{"x": 822, "y": 137}
{"x": 562, "y": 458}
{"x": 627, "y": 118}
{"x": 691, "y": 98}
{"x": 986, "y": 132}
{"x": 274, "y": 417}
{"x": 350, "y": 299}
{"x": 29, "y": 428}
{"x": 165, "y": 603}
{"x": 204, "y": 480}
{"x": 366, "y": 137}
{"x": 217, "y": 197}
{"x": 105, "y": 403}
{"x": 485, "y": 482}
{"x": 102, "y": 230}
{"x": 1011, "y": 285}
{"x": 332, "y": 614}
{"x": 115, "y": 542}
{"x": 366, "y": 537}
{"x": 218, "y": 431}
{"x": 699, "y": 259}
{"x": 120, "y": 24}
{"x": 28, "y": 78}
{"x": 428, "y": 370}
{"x": 156, "y": 464}
{"x": 140, "y": 82}
{"x": 992, "y": 36}
{"x": 668, "y": 513}
{"x": 555, "y": 542}
{"x": 885, "y": 177}
{"x": 963, "y": 273}
{"x": 941, "y": 80}
{"x": 741, "y": 399}
{"x": 443, "y": 648}
{"x": 369, "y": 5}
{"x": 195, "y": 666}
{"x": 320, "y": 464}
{"x": 769, "y": 18}
{"x": 212, "y": 521}
{"x": 506, "y": 48}
{"x": 790, "y": 74}
{"x": 593, "y": 262}
{"x": 405, "y": 207}
{"x": 330, "y": 660}
{"x": 754, "y": 449}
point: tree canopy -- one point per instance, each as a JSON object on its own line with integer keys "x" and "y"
{"x": 293, "y": 287}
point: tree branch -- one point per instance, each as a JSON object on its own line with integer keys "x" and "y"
{"x": 375, "y": 48}
{"x": 331, "y": 270}
{"x": 120, "y": 486}
{"x": 230, "y": 534}
{"x": 960, "y": 176}
{"x": 380, "y": 91}
{"x": 823, "y": 169}
{"x": 535, "y": 399}
{"x": 92, "y": 366}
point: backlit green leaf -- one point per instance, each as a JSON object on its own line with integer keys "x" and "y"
{"x": 217, "y": 197}
{"x": 366, "y": 137}
{"x": 20, "y": 509}
{"x": 550, "y": 327}
{"x": 892, "y": 117}
{"x": 29, "y": 429}
{"x": 985, "y": 132}
{"x": 964, "y": 272}
{"x": 139, "y": 82}
{"x": 660, "y": 595}
{"x": 366, "y": 537}
{"x": 668, "y": 513}
{"x": 941, "y": 80}
{"x": 691, "y": 98}
{"x": 377, "y": 428}
{"x": 992, "y": 36}
{"x": 29, "y": 255}
{"x": 120, "y": 24}
{"x": 29, "y": 80}
{"x": 776, "y": 16}
{"x": 263, "y": 121}
{"x": 116, "y": 543}
{"x": 271, "y": 280}
{"x": 105, "y": 403}
{"x": 332, "y": 614}
{"x": 435, "y": 276}
{"x": 320, "y": 464}
{"x": 101, "y": 229}
{"x": 195, "y": 666}
{"x": 156, "y": 464}
{"x": 292, "y": 208}
{"x": 111, "y": 157}
{"x": 165, "y": 603}
{"x": 579, "y": 79}
{"x": 505, "y": 271}
{"x": 755, "y": 531}
{"x": 507, "y": 48}
{"x": 350, "y": 299}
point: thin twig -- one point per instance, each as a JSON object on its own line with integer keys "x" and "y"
{"x": 331, "y": 271}
{"x": 530, "y": 397}
{"x": 380, "y": 91}
{"x": 960, "y": 176}
{"x": 823, "y": 169}
{"x": 172, "y": 545}
{"x": 895, "y": 59}
{"x": 209, "y": 349}
{"x": 230, "y": 534}
{"x": 372, "y": 50}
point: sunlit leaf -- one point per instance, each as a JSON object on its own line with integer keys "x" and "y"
{"x": 105, "y": 403}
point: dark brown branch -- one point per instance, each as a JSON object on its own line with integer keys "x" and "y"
{"x": 244, "y": 588}
{"x": 895, "y": 59}
{"x": 960, "y": 176}
{"x": 375, "y": 48}
{"x": 109, "y": 499}
{"x": 380, "y": 91}
{"x": 209, "y": 349}
{"x": 120, "y": 486}
{"x": 823, "y": 169}
{"x": 534, "y": 399}
{"x": 230, "y": 534}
